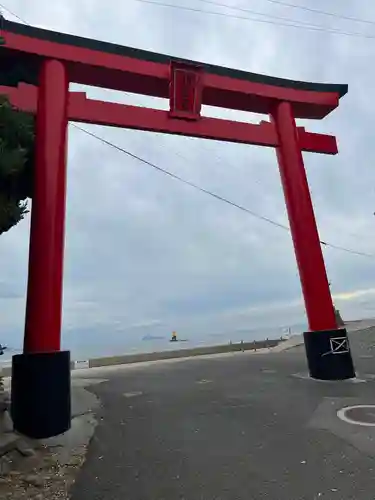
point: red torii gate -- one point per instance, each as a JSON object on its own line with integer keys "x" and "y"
{"x": 37, "y": 67}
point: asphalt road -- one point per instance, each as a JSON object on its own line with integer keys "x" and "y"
{"x": 239, "y": 427}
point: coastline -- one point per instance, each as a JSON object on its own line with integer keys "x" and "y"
{"x": 107, "y": 344}
{"x": 126, "y": 359}
{"x": 182, "y": 350}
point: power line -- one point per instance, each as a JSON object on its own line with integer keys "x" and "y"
{"x": 211, "y": 193}
{"x": 318, "y": 11}
{"x": 13, "y": 14}
{"x": 263, "y": 14}
{"x": 180, "y": 179}
{"x": 277, "y": 2}
{"x": 309, "y": 27}
{"x": 300, "y": 25}
{"x": 354, "y": 252}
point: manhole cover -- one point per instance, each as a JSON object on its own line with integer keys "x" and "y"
{"x": 358, "y": 415}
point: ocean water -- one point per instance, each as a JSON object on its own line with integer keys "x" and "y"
{"x": 121, "y": 345}
{"x": 86, "y": 346}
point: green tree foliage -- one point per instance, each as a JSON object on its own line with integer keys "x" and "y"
{"x": 17, "y": 133}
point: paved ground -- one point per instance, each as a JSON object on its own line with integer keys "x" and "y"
{"x": 235, "y": 427}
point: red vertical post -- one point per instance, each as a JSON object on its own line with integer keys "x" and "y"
{"x": 327, "y": 347}
{"x": 44, "y": 293}
{"x": 315, "y": 287}
{"x": 41, "y": 391}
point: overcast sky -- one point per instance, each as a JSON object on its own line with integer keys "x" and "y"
{"x": 147, "y": 254}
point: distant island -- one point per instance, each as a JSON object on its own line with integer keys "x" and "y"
{"x": 152, "y": 337}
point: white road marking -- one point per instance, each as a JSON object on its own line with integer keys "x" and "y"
{"x": 132, "y": 394}
{"x": 306, "y": 376}
{"x": 343, "y": 416}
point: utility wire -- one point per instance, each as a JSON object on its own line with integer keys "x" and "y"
{"x": 264, "y": 14}
{"x": 13, "y": 14}
{"x": 277, "y": 2}
{"x": 318, "y": 11}
{"x": 301, "y": 25}
{"x": 354, "y": 252}
{"x": 211, "y": 193}
{"x": 195, "y": 186}
{"x": 178, "y": 178}
{"x": 309, "y": 27}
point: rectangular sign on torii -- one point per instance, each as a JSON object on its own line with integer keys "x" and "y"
{"x": 37, "y": 67}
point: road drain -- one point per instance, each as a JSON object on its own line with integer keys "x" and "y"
{"x": 358, "y": 415}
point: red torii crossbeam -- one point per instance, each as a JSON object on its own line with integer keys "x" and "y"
{"x": 37, "y": 67}
{"x": 81, "y": 109}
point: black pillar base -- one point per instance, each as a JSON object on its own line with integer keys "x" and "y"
{"x": 328, "y": 355}
{"x": 40, "y": 398}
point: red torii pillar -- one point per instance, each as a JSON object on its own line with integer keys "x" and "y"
{"x": 327, "y": 347}
{"x": 41, "y": 375}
